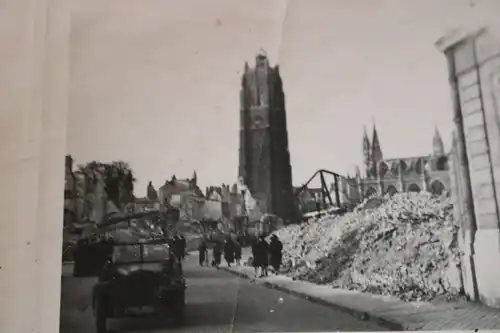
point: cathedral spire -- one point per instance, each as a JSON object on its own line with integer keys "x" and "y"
{"x": 437, "y": 144}
{"x": 376, "y": 150}
{"x": 366, "y": 140}
{"x": 366, "y": 152}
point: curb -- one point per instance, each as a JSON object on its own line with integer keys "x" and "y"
{"x": 365, "y": 316}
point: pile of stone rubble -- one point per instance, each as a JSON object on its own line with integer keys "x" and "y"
{"x": 406, "y": 247}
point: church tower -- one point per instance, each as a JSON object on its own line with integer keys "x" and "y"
{"x": 264, "y": 158}
{"x": 194, "y": 178}
{"x": 367, "y": 162}
{"x": 376, "y": 151}
{"x": 437, "y": 144}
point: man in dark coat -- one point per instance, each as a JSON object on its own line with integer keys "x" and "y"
{"x": 229, "y": 248}
{"x": 275, "y": 251}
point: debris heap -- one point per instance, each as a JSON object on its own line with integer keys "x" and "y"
{"x": 406, "y": 247}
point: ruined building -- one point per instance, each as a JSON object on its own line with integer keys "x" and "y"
{"x": 264, "y": 158}
{"x": 380, "y": 176}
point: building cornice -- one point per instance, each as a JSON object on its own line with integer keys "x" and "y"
{"x": 456, "y": 36}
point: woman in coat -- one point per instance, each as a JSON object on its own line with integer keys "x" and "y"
{"x": 275, "y": 251}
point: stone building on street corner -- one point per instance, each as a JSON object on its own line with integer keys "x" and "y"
{"x": 473, "y": 58}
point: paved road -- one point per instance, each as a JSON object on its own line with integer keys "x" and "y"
{"x": 217, "y": 301}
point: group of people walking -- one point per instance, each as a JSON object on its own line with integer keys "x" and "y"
{"x": 229, "y": 248}
{"x": 264, "y": 254}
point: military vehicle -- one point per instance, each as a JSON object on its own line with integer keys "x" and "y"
{"x": 140, "y": 279}
{"x": 138, "y": 273}
{"x": 92, "y": 249}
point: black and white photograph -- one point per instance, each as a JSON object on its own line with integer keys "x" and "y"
{"x": 262, "y": 166}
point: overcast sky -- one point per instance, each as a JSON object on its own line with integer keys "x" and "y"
{"x": 156, "y": 83}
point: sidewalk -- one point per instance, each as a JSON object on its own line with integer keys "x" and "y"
{"x": 388, "y": 311}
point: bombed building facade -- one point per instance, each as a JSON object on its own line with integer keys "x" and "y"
{"x": 380, "y": 176}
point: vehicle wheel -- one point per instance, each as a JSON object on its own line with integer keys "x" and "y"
{"x": 179, "y": 308}
{"x": 100, "y": 316}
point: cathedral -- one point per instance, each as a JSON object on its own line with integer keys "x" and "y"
{"x": 380, "y": 176}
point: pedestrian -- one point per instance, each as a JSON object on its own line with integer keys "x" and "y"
{"x": 203, "y": 252}
{"x": 237, "y": 253}
{"x": 276, "y": 253}
{"x": 262, "y": 255}
{"x": 177, "y": 247}
{"x": 255, "y": 251}
{"x": 182, "y": 241}
{"x": 229, "y": 248}
{"x": 217, "y": 253}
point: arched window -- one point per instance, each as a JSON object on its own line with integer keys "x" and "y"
{"x": 395, "y": 168}
{"x": 442, "y": 163}
{"x": 413, "y": 188}
{"x": 371, "y": 191}
{"x": 419, "y": 165}
{"x": 404, "y": 166}
{"x": 437, "y": 187}
{"x": 382, "y": 169}
{"x": 391, "y": 190}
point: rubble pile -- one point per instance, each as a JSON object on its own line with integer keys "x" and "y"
{"x": 406, "y": 247}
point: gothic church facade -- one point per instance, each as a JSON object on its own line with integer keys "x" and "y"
{"x": 380, "y": 176}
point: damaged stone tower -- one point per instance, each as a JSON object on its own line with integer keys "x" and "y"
{"x": 264, "y": 158}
